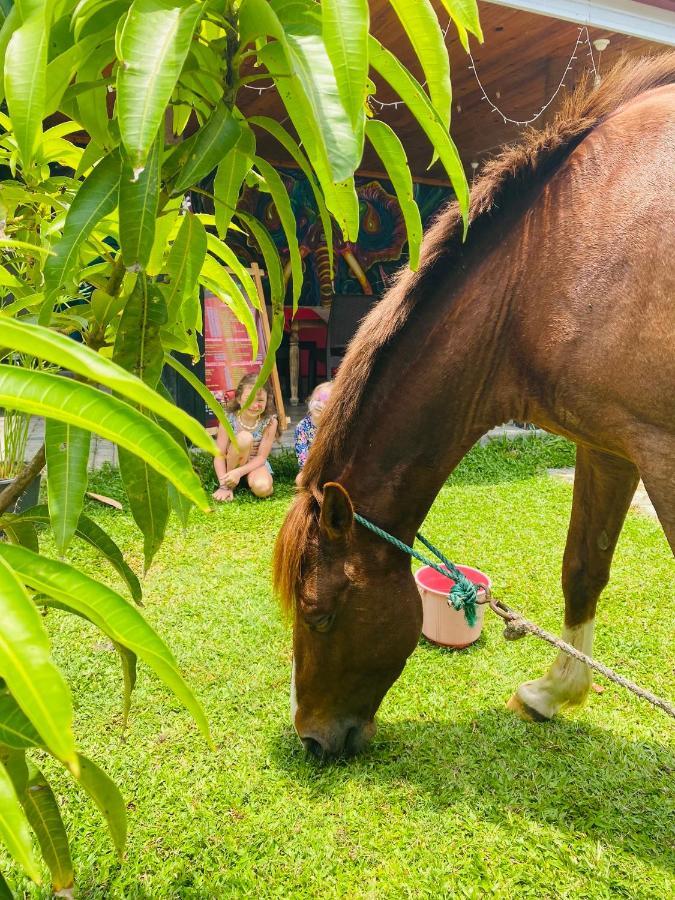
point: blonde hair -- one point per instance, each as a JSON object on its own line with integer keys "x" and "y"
{"x": 311, "y": 403}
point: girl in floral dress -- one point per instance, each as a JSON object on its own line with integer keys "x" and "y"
{"x": 255, "y": 428}
{"x": 306, "y": 429}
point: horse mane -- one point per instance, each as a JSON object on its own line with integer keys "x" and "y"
{"x": 503, "y": 182}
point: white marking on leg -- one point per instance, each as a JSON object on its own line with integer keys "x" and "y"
{"x": 294, "y": 696}
{"x": 567, "y": 681}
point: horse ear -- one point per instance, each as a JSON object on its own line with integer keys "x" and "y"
{"x": 337, "y": 512}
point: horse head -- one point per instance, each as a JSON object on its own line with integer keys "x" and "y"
{"x": 357, "y": 616}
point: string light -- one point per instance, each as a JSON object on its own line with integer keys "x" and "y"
{"x": 586, "y": 39}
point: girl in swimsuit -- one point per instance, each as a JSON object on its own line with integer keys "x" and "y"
{"x": 255, "y": 428}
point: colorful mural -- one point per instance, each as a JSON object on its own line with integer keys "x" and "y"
{"x": 366, "y": 266}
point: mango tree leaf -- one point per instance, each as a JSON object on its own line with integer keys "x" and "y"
{"x": 270, "y": 254}
{"x": 28, "y": 670}
{"x": 287, "y": 217}
{"x": 163, "y": 228}
{"x": 105, "y": 794}
{"x": 341, "y": 202}
{"x": 67, "y": 450}
{"x": 198, "y": 385}
{"x": 390, "y": 150}
{"x": 139, "y": 200}
{"x": 11, "y": 23}
{"x": 184, "y": 263}
{"x": 215, "y": 139}
{"x": 16, "y": 729}
{"x": 111, "y": 613}
{"x": 464, "y": 13}
{"x": 128, "y": 661}
{"x": 43, "y": 394}
{"x": 5, "y": 891}
{"x": 14, "y": 830}
{"x": 61, "y": 350}
{"x": 87, "y": 530}
{"x": 92, "y": 111}
{"x": 18, "y": 531}
{"x": 229, "y": 257}
{"x": 25, "y": 82}
{"x": 138, "y": 348}
{"x": 232, "y": 170}
{"x": 180, "y": 504}
{"x": 96, "y": 198}
{"x": 345, "y": 34}
{"x": 279, "y": 132}
{"x": 153, "y": 45}
{"x": 410, "y": 91}
{"x": 42, "y": 812}
{"x": 421, "y": 25}
{"x": 218, "y": 280}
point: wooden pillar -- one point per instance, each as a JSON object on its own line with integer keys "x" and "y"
{"x": 294, "y": 361}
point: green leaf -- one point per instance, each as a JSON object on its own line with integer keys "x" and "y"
{"x": 345, "y": 33}
{"x": 218, "y": 280}
{"x": 410, "y": 91}
{"x": 390, "y": 150}
{"x": 163, "y": 228}
{"x": 5, "y": 891}
{"x": 198, "y": 385}
{"x": 340, "y": 203}
{"x": 42, "y": 812}
{"x": 180, "y": 505}
{"x": 61, "y": 350}
{"x": 213, "y": 141}
{"x": 18, "y": 531}
{"x": 153, "y": 45}
{"x": 52, "y": 396}
{"x": 122, "y": 622}
{"x": 25, "y": 82}
{"x": 27, "y": 668}
{"x": 464, "y": 13}
{"x": 184, "y": 263}
{"x": 139, "y": 200}
{"x": 291, "y": 147}
{"x": 229, "y": 257}
{"x": 87, "y": 530}
{"x": 16, "y": 729}
{"x": 138, "y": 348}
{"x": 67, "y": 451}
{"x": 105, "y": 794}
{"x": 287, "y": 216}
{"x": 97, "y": 197}
{"x": 9, "y": 26}
{"x": 421, "y": 25}
{"x": 148, "y": 501}
{"x": 268, "y": 248}
{"x": 128, "y": 661}
{"x": 232, "y": 170}
{"x": 14, "y": 829}
{"x": 92, "y": 107}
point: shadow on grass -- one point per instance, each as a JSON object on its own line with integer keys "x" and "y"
{"x": 566, "y": 774}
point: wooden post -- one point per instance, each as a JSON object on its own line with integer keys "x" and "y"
{"x": 294, "y": 361}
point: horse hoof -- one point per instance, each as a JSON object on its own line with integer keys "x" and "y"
{"x": 526, "y": 712}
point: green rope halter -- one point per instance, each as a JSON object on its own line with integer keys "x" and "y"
{"x": 463, "y": 594}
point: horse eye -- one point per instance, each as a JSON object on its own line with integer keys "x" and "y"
{"x": 322, "y": 623}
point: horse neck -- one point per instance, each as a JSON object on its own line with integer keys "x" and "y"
{"x": 445, "y": 380}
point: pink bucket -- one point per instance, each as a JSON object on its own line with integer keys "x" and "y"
{"x": 442, "y": 624}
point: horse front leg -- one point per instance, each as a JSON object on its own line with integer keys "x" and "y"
{"x": 604, "y": 486}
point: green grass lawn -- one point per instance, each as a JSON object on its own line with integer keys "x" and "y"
{"x": 455, "y": 797}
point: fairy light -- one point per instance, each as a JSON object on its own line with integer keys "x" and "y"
{"x": 582, "y": 38}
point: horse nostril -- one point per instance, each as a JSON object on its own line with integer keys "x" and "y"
{"x": 312, "y": 746}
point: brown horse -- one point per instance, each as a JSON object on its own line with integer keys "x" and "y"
{"x": 559, "y": 309}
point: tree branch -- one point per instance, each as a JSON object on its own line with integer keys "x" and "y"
{"x": 14, "y": 490}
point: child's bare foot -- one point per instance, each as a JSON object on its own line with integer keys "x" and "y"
{"x": 223, "y": 495}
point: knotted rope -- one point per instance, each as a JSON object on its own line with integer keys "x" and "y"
{"x": 464, "y": 596}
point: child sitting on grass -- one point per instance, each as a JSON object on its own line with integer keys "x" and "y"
{"x": 306, "y": 429}
{"x": 255, "y": 428}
